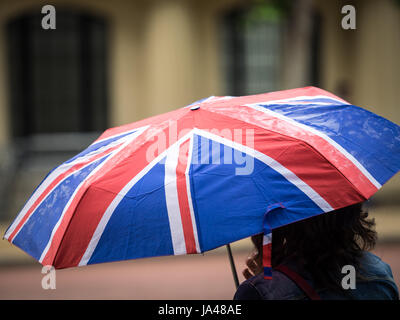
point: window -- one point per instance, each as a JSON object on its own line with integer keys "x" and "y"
{"x": 58, "y": 78}
{"x": 251, "y": 42}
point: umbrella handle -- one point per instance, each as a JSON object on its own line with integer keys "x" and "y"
{"x": 233, "y": 268}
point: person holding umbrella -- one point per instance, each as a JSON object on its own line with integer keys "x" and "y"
{"x": 308, "y": 259}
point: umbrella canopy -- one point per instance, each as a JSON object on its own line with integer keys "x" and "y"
{"x": 205, "y": 175}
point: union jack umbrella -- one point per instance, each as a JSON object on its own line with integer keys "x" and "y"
{"x": 202, "y": 176}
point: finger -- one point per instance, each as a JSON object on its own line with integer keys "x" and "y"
{"x": 254, "y": 256}
{"x": 252, "y": 265}
{"x": 247, "y": 274}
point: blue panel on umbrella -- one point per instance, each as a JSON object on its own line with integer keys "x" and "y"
{"x": 36, "y": 233}
{"x": 139, "y": 226}
{"x": 366, "y": 136}
{"x": 316, "y": 100}
{"x": 230, "y": 207}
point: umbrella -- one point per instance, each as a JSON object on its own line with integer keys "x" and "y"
{"x": 205, "y": 175}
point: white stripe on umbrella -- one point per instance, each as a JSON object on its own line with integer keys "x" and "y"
{"x": 140, "y": 130}
{"x": 179, "y": 202}
{"x": 171, "y": 195}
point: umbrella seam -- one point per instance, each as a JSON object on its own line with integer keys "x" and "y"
{"x": 68, "y": 225}
{"x": 195, "y": 210}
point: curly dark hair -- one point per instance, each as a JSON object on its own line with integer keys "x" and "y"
{"x": 323, "y": 244}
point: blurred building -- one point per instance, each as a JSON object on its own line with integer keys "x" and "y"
{"x": 114, "y": 62}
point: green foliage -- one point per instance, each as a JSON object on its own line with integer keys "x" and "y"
{"x": 268, "y": 10}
